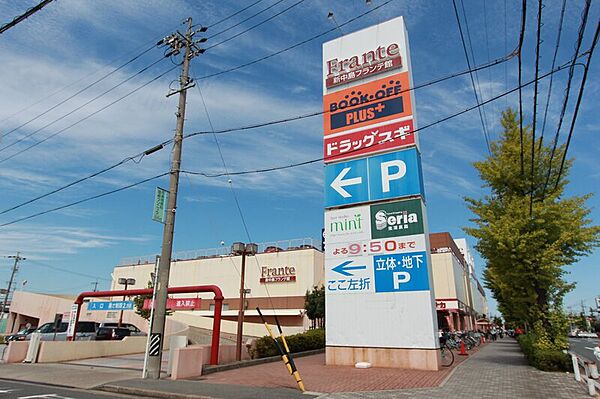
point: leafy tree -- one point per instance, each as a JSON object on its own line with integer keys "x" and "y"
{"x": 138, "y": 302}
{"x": 314, "y": 304}
{"x": 526, "y": 252}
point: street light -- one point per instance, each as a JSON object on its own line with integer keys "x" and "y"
{"x": 126, "y": 282}
{"x": 239, "y": 248}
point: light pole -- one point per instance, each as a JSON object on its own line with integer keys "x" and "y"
{"x": 126, "y": 282}
{"x": 239, "y": 248}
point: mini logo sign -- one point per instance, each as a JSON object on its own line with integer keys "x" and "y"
{"x": 396, "y": 219}
{"x": 277, "y": 274}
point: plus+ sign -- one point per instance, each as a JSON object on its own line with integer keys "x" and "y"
{"x": 380, "y": 107}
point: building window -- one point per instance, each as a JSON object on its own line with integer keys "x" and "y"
{"x": 212, "y": 306}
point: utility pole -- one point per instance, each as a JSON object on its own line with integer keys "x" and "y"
{"x": 15, "y": 268}
{"x": 176, "y": 41}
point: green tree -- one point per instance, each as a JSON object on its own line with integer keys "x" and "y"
{"x": 138, "y": 302}
{"x": 314, "y": 304}
{"x": 526, "y": 252}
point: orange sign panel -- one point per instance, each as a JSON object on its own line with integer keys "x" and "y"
{"x": 374, "y": 102}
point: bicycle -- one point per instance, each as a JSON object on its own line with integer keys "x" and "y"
{"x": 446, "y": 354}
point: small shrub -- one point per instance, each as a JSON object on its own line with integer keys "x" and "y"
{"x": 309, "y": 340}
{"x": 541, "y": 356}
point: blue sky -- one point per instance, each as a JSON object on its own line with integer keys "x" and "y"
{"x": 75, "y": 41}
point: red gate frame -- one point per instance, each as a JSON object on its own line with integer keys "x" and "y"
{"x": 218, "y": 298}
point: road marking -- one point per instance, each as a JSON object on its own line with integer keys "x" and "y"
{"x": 45, "y": 396}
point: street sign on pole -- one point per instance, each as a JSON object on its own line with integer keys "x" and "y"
{"x": 160, "y": 204}
{"x": 114, "y": 305}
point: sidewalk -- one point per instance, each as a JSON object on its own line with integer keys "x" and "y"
{"x": 499, "y": 370}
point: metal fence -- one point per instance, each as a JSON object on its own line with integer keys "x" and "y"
{"x": 225, "y": 250}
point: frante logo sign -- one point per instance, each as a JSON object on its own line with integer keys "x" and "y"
{"x": 369, "y": 63}
{"x": 396, "y": 219}
{"x": 378, "y": 101}
{"x": 277, "y": 274}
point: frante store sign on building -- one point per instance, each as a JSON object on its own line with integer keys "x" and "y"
{"x": 378, "y": 283}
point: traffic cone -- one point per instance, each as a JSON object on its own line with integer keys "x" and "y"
{"x": 463, "y": 351}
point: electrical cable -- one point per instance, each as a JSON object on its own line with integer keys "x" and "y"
{"x": 38, "y": 263}
{"x": 245, "y": 20}
{"x": 485, "y": 134}
{"x": 89, "y": 115}
{"x": 77, "y": 93}
{"x": 560, "y": 25}
{"x": 582, "y": 25}
{"x": 232, "y": 69}
{"x": 577, "y": 104}
{"x": 84, "y": 200}
{"x": 535, "y": 94}
{"x": 271, "y": 169}
{"x": 78, "y": 107}
{"x": 255, "y": 25}
{"x": 233, "y": 192}
{"x": 470, "y": 42}
{"x": 159, "y": 146}
{"x": 24, "y": 16}
{"x": 234, "y": 14}
{"x": 519, "y": 58}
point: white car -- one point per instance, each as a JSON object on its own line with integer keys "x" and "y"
{"x": 585, "y": 334}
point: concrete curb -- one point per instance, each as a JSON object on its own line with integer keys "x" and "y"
{"x": 148, "y": 392}
{"x": 253, "y": 362}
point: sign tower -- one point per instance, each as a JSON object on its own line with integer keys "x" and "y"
{"x": 378, "y": 281}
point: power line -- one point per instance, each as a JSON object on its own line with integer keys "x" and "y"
{"x": 535, "y": 94}
{"x": 75, "y": 94}
{"x": 581, "y": 32}
{"x": 560, "y": 24}
{"x": 232, "y": 69}
{"x": 84, "y": 200}
{"x": 234, "y": 14}
{"x": 89, "y": 116}
{"x": 60, "y": 269}
{"x": 288, "y": 166}
{"x": 24, "y": 16}
{"x": 577, "y": 104}
{"x": 521, "y": 39}
{"x": 256, "y": 25}
{"x": 161, "y": 145}
{"x": 483, "y": 126}
{"x": 245, "y": 20}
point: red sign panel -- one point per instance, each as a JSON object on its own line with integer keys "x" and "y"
{"x": 369, "y": 141}
{"x": 364, "y": 72}
{"x": 277, "y": 279}
{"x": 177, "y": 303}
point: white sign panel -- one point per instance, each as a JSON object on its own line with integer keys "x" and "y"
{"x": 344, "y": 225}
{"x": 72, "y": 318}
{"x": 391, "y": 245}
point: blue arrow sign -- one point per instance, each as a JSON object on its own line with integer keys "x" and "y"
{"x": 343, "y": 268}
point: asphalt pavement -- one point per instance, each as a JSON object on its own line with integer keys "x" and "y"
{"x": 22, "y": 390}
{"x": 585, "y": 347}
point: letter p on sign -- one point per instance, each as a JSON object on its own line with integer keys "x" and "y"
{"x": 391, "y": 170}
{"x": 399, "y": 278}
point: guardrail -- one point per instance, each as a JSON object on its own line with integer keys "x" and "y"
{"x": 590, "y": 375}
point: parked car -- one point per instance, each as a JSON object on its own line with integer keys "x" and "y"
{"x": 86, "y": 331}
{"x": 112, "y": 333}
{"x": 21, "y": 335}
{"x": 134, "y": 331}
{"x": 586, "y": 334}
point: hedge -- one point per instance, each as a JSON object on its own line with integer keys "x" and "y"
{"x": 545, "y": 360}
{"x": 309, "y": 340}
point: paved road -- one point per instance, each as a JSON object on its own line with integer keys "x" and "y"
{"x": 585, "y": 347}
{"x": 21, "y": 390}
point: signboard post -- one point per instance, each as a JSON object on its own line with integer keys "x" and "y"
{"x": 380, "y": 302}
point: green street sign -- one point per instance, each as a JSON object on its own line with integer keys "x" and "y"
{"x": 160, "y": 204}
{"x": 395, "y": 219}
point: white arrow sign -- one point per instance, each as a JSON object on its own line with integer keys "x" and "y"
{"x": 339, "y": 183}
